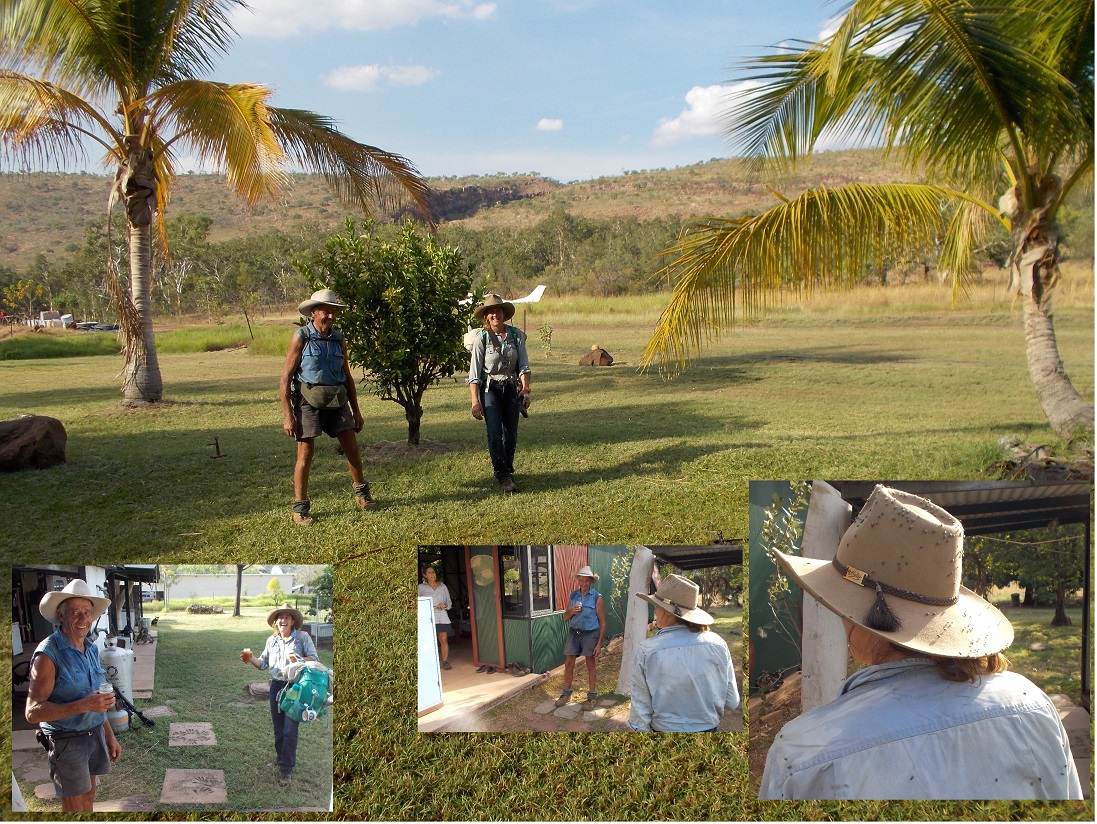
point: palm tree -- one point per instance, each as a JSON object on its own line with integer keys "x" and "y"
{"x": 979, "y": 97}
{"x": 125, "y": 74}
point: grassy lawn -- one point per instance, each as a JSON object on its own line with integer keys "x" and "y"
{"x": 608, "y": 456}
{"x": 199, "y": 675}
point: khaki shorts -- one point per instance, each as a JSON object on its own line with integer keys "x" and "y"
{"x": 74, "y": 760}
{"x": 312, "y": 422}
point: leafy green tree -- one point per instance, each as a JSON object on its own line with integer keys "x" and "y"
{"x": 23, "y": 296}
{"x": 126, "y": 76}
{"x": 408, "y": 310}
{"x": 984, "y": 99}
{"x": 274, "y": 587}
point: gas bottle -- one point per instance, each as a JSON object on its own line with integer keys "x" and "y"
{"x": 118, "y": 665}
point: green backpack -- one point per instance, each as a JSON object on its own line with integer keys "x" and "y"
{"x": 303, "y": 700}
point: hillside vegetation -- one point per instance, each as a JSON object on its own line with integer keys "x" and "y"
{"x": 45, "y": 213}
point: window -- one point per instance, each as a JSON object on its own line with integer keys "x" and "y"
{"x": 526, "y": 575}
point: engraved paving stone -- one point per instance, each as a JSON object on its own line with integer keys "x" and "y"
{"x": 191, "y": 735}
{"x": 194, "y": 787}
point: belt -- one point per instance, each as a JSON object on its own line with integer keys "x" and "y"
{"x": 60, "y": 735}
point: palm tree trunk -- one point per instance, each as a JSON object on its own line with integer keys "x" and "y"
{"x": 1066, "y": 410}
{"x": 142, "y": 383}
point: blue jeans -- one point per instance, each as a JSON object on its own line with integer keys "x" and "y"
{"x": 500, "y": 404}
{"x": 285, "y": 731}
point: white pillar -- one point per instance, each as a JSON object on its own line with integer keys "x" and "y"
{"x": 824, "y": 639}
{"x": 636, "y": 615}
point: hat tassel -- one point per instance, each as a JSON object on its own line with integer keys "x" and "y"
{"x": 880, "y": 615}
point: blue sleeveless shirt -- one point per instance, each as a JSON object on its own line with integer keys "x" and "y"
{"x": 588, "y": 618}
{"x": 322, "y": 358}
{"x": 78, "y": 673}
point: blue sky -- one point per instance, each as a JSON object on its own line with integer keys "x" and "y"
{"x": 572, "y": 89}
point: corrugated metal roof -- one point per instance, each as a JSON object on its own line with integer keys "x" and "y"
{"x": 699, "y": 557}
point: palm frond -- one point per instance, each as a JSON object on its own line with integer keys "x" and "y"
{"x": 967, "y": 227}
{"x": 363, "y": 177}
{"x": 721, "y": 269}
{"x": 42, "y": 123}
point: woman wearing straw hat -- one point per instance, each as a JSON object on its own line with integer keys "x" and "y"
{"x": 499, "y": 384}
{"x": 287, "y": 645}
{"x": 683, "y": 679}
{"x": 65, "y": 697}
{"x": 586, "y": 620}
{"x": 935, "y": 715}
{"x": 319, "y": 396}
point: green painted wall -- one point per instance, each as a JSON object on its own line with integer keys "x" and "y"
{"x": 516, "y": 642}
{"x": 549, "y": 633}
{"x": 600, "y": 559}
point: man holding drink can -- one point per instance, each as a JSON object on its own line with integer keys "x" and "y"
{"x": 69, "y": 696}
{"x": 586, "y": 620}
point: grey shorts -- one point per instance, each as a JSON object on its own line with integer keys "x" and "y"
{"x": 581, "y": 642}
{"x": 73, "y": 761}
{"x": 311, "y": 422}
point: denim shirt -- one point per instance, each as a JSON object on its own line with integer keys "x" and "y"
{"x": 78, "y": 673}
{"x": 322, "y": 358}
{"x": 505, "y": 361}
{"x": 275, "y": 655}
{"x": 588, "y": 618}
{"x": 682, "y": 681}
{"x": 901, "y": 731}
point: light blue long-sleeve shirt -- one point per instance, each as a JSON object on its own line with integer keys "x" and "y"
{"x": 901, "y": 731}
{"x": 276, "y": 653}
{"x": 509, "y": 359}
{"x": 682, "y": 681}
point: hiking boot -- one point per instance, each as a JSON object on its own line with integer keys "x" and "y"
{"x": 283, "y": 780}
{"x": 564, "y": 698}
{"x": 509, "y": 487}
{"x": 362, "y": 497}
{"x": 590, "y": 703}
{"x": 301, "y": 515}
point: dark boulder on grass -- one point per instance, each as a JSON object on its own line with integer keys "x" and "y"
{"x": 33, "y": 442}
{"x": 597, "y": 356}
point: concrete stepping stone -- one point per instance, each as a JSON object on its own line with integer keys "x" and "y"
{"x": 45, "y": 791}
{"x": 568, "y": 711}
{"x": 37, "y": 774}
{"x": 129, "y": 804}
{"x": 196, "y": 734}
{"x": 25, "y": 740}
{"x": 545, "y": 707}
{"x": 606, "y": 702}
{"x": 162, "y": 711}
{"x": 194, "y": 787}
{"x": 18, "y": 759}
{"x": 595, "y": 714}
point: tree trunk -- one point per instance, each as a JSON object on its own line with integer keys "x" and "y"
{"x": 414, "y": 415}
{"x": 239, "y": 586}
{"x": 1061, "y": 618}
{"x": 1034, "y": 272}
{"x": 143, "y": 383}
{"x": 136, "y": 184}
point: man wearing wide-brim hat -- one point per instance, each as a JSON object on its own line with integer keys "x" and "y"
{"x": 936, "y": 714}
{"x": 319, "y": 396}
{"x": 683, "y": 679}
{"x": 585, "y": 617}
{"x": 64, "y": 696}
{"x": 287, "y": 645}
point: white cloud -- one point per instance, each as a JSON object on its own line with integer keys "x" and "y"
{"x": 286, "y": 18}
{"x": 705, "y": 106}
{"x": 370, "y": 78}
{"x": 550, "y": 124}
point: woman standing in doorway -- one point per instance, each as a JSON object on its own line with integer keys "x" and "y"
{"x": 434, "y": 589}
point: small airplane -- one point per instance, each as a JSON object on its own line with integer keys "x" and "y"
{"x": 532, "y": 297}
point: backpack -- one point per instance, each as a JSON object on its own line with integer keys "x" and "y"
{"x": 304, "y": 699}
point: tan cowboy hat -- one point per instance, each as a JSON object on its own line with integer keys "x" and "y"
{"x": 298, "y": 618}
{"x": 585, "y": 572}
{"x": 76, "y": 588}
{"x": 678, "y": 596}
{"x": 492, "y": 301}
{"x": 897, "y": 575}
{"x": 323, "y": 297}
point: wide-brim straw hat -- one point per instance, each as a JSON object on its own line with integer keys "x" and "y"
{"x": 298, "y": 618}
{"x": 585, "y": 572}
{"x": 323, "y": 297}
{"x": 678, "y": 596}
{"x": 76, "y": 588}
{"x": 897, "y": 575}
{"x": 491, "y": 302}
